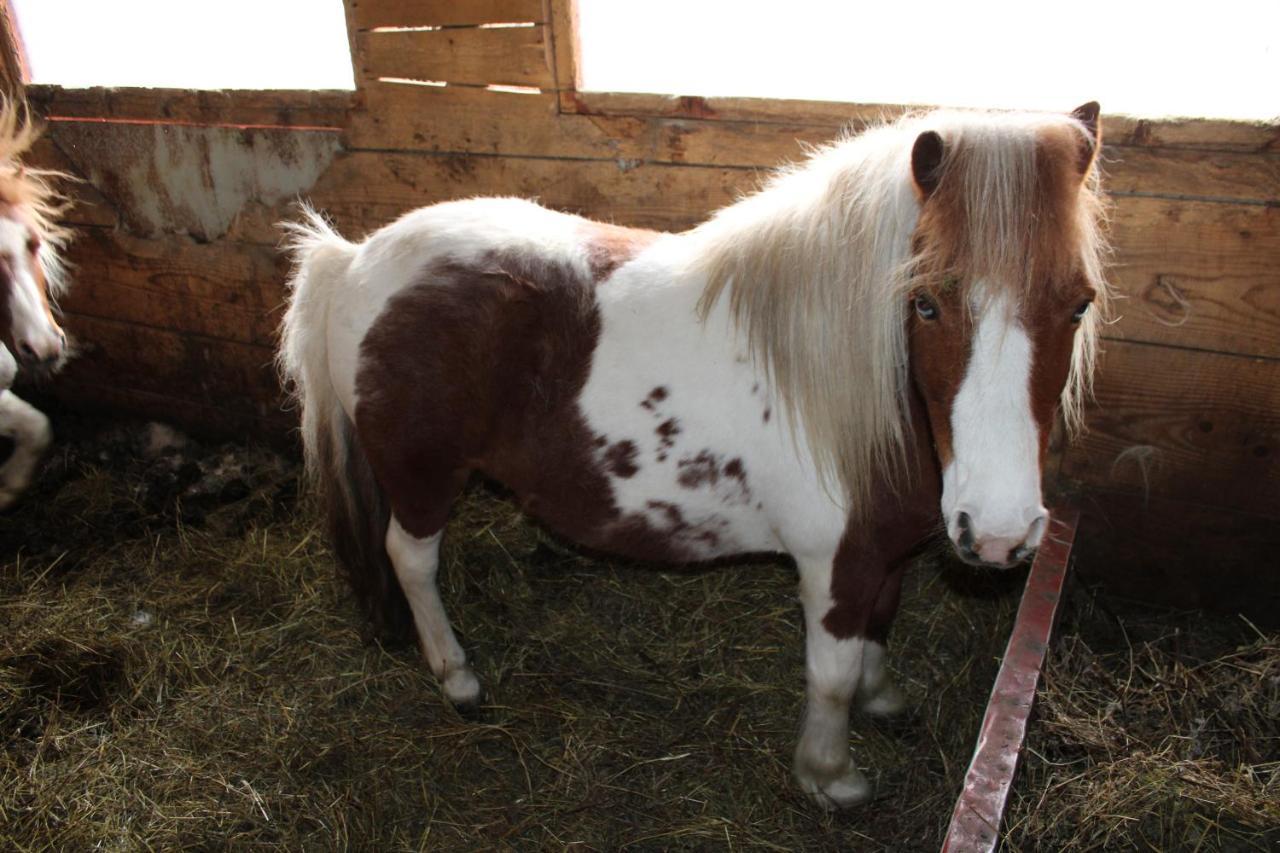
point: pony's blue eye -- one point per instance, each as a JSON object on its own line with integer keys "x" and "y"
{"x": 925, "y": 307}
{"x": 1080, "y": 312}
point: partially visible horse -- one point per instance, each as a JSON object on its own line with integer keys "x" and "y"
{"x": 31, "y": 273}
{"x": 874, "y": 343}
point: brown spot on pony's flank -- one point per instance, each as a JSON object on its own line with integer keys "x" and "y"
{"x": 672, "y": 514}
{"x": 621, "y": 458}
{"x": 656, "y": 396}
{"x": 667, "y": 432}
{"x": 733, "y": 468}
{"x": 700, "y": 470}
{"x": 768, "y": 412}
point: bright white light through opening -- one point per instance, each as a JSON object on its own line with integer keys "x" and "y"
{"x": 1176, "y": 58}
{"x": 228, "y": 44}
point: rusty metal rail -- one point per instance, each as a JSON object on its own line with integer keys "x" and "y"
{"x": 975, "y": 823}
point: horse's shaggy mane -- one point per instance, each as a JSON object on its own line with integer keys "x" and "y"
{"x": 818, "y": 265}
{"x": 33, "y": 190}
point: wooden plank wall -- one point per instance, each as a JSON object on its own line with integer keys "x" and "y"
{"x": 175, "y": 304}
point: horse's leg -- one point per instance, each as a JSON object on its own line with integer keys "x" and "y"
{"x": 833, "y": 665}
{"x": 416, "y": 561}
{"x": 877, "y": 694}
{"x": 29, "y": 430}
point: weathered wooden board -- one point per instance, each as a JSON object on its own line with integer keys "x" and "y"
{"x": 1186, "y": 425}
{"x": 1198, "y": 274}
{"x": 1181, "y": 553}
{"x": 365, "y": 190}
{"x": 368, "y": 14}
{"x": 224, "y": 291}
{"x": 453, "y": 119}
{"x": 121, "y": 354}
{"x": 474, "y": 56}
{"x": 267, "y": 108}
{"x": 1194, "y": 134}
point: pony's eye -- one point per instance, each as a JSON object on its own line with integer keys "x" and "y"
{"x": 1080, "y": 312}
{"x": 925, "y": 307}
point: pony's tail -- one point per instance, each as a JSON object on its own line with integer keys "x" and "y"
{"x": 336, "y": 466}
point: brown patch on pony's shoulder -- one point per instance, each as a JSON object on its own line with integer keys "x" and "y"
{"x": 700, "y": 470}
{"x": 611, "y": 246}
{"x": 621, "y": 458}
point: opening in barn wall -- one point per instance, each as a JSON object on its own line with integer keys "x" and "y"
{"x": 179, "y": 281}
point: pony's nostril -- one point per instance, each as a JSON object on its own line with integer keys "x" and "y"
{"x": 27, "y": 352}
{"x": 966, "y": 530}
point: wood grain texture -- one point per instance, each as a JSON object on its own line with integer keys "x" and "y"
{"x": 1185, "y": 425}
{"x": 121, "y": 354}
{"x": 565, "y": 43}
{"x": 1198, "y": 274}
{"x": 269, "y": 108}
{"x": 403, "y": 117}
{"x": 222, "y": 291}
{"x": 368, "y": 14}
{"x": 516, "y": 56}
{"x": 365, "y": 190}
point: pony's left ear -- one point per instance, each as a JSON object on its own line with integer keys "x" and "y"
{"x": 926, "y": 162}
{"x": 1087, "y": 115}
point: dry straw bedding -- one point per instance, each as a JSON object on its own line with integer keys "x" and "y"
{"x": 179, "y": 667}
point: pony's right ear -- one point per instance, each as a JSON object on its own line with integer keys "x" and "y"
{"x": 1087, "y": 115}
{"x": 926, "y": 162}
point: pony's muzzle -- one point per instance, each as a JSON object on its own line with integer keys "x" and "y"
{"x": 996, "y": 548}
{"x": 42, "y": 352}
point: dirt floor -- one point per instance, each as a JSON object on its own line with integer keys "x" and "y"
{"x": 180, "y": 667}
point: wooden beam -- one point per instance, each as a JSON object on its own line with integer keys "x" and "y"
{"x": 266, "y": 108}
{"x": 1182, "y": 424}
{"x": 565, "y": 43}
{"x": 513, "y": 56}
{"x": 369, "y": 14}
{"x": 452, "y": 119}
{"x": 221, "y": 291}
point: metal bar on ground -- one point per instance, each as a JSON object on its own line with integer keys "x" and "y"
{"x": 975, "y": 823}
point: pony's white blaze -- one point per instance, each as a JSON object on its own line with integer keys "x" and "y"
{"x": 993, "y": 478}
{"x": 35, "y": 335}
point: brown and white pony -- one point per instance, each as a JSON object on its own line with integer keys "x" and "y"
{"x": 877, "y": 340}
{"x": 31, "y": 273}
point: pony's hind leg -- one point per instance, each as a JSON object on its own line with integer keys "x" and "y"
{"x": 416, "y": 563}
{"x": 29, "y": 430}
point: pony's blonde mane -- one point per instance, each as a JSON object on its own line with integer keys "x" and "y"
{"x": 32, "y": 190}
{"x": 817, "y": 268}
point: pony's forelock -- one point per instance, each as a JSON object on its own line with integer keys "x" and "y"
{"x": 817, "y": 266}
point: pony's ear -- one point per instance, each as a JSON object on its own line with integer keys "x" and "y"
{"x": 926, "y": 162}
{"x": 1087, "y": 115}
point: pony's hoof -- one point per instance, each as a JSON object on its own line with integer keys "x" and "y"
{"x": 888, "y": 701}
{"x": 851, "y": 788}
{"x": 462, "y": 688}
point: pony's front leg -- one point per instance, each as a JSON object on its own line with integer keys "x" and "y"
{"x": 416, "y": 562}
{"x": 29, "y": 430}
{"x": 877, "y": 694}
{"x": 833, "y": 667}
